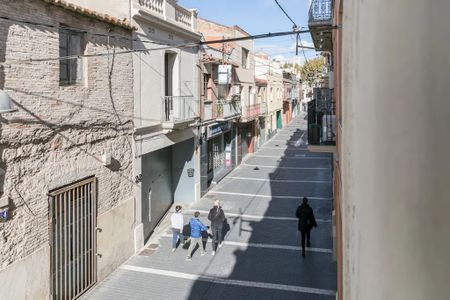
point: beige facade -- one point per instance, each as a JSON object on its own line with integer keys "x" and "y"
{"x": 390, "y": 167}
{"x": 166, "y": 104}
{"x": 58, "y": 136}
{"x": 395, "y": 147}
{"x": 270, "y": 71}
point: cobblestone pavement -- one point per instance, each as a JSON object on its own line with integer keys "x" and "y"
{"x": 261, "y": 258}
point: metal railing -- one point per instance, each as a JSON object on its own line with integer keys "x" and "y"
{"x": 178, "y": 109}
{"x": 228, "y": 109}
{"x": 322, "y": 118}
{"x": 251, "y": 111}
{"x": 321, "y": 11}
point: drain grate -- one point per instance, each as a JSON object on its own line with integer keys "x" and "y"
{"x": 147, "y": 252}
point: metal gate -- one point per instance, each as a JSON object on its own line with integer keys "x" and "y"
{"x": 73, "y": 212}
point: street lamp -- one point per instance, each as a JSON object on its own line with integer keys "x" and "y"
{"x": 5, "y": 103}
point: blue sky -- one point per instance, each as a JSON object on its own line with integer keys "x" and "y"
{"x": 260, "y": 16}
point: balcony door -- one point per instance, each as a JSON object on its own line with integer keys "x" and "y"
{"x": 170, "y": 79}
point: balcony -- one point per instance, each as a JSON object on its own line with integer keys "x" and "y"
{"x": 320, "y": 24}
{"x": 322, "y": 122}
{"x": 226, "y": 110}
{"x": 250, "y": 112}
{"x": 170, "y": 11}
{"x": 179, "y": 111}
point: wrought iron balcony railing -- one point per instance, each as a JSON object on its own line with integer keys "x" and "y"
{"x": 321, "y": 11}
{"x": 322, "y": 118}
{"x": 320, "y": 22}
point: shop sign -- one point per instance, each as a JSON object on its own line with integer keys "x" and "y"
{"x": 218, "y": 129}
{"x": 228, "y": 156}
{"x": 224, "y": 75}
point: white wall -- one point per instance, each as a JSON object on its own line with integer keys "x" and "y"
{"x": 116, "y": 8}
{"x": 396, "y": 146}
{"x": 149, "y": 70}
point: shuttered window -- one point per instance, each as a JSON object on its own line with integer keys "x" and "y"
{"x": 70, "y": 43}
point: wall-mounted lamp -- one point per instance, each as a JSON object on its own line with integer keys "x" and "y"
{"x": 5, "y": 103}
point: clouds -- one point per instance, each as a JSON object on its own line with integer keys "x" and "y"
{"x": 284, "y": 50}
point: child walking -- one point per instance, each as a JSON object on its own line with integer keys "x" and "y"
{"x": 196, "y": 235}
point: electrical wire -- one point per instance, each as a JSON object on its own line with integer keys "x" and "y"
{"x": 303, "y": 49}
{"x": 184, "y": 45}
{"x": 295, "y": 27}
{"x": 79, "y": 30}
{"x": 282, "y": 9}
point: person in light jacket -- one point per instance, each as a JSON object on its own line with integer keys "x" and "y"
{"x": 177, "y": 227}
{"x": 217, "y": 217}
{"x": 196, "y": 235}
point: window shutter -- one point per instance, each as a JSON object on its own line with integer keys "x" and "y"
{"x": 75, "y": 63}
{"x": 63, "y": 51}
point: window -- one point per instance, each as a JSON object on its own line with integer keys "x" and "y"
{"x": 70, "y": 43}
{"x": 245, "y": 62}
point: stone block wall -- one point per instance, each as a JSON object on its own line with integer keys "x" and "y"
{"x": 59, "y": 133}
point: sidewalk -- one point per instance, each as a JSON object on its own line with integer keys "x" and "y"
{"x": 261, "y": 257}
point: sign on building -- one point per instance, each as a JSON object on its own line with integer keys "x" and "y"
{"x": 224, "y": 75}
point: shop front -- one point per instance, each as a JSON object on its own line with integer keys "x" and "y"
{"x": 246, "y": 140}
{"x": 218, "y": 153}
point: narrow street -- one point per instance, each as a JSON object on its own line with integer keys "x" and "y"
{"x": 261, "y": 256}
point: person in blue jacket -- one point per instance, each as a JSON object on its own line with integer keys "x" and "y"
{"x": 196, "y": 235}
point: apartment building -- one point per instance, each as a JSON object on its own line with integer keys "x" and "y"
{"x": 221, "y": 109}
{"x": 166, "y": 106}
{"x": 270, "y": 71}
{"x": 243, "y": 56}
{"x": 384, "y": 117}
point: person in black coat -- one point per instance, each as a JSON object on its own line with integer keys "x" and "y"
{"x": 217, "y": 218}
{"x": 306, "y": 222}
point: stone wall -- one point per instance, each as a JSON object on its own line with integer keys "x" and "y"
{"x": 59, "y": 133}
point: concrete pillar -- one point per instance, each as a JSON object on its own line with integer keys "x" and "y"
{"x": 396, "y": 145}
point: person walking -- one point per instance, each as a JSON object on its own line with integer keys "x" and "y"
{"x": 177, "y": 221}
{"x": 306, "y": 222}
{"x": 196, "y": 235}
{"x": 217, "y": 217}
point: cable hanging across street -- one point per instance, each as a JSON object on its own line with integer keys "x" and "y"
{"x": 184, "y": 45}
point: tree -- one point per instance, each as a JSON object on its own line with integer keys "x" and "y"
{"x": 311, "y": 70}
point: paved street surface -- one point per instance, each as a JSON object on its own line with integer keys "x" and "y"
{"x": 261, "y": 257}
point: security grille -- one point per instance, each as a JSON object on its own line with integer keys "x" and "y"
{"x": 73, "y": 239}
